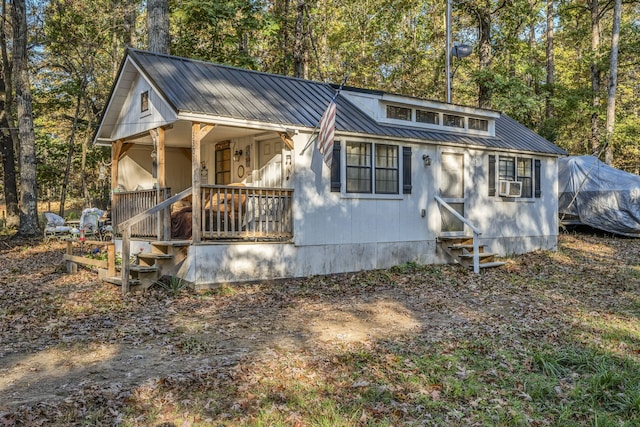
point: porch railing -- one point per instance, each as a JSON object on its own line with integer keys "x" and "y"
{"x": 227, "y": 212}
{"x": 246, "y": 212}
{"x": 127, "y": 204}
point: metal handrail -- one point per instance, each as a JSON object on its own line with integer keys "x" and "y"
{"x": 476, "y": 232}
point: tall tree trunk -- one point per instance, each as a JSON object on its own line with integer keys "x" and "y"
{"x": 595, "y": 76}
{"x": 298, "y": 46}
{"x": 551, "y": 62}
{"x": 158, "y": 25}
{"x": 613, "y": 82}
{"x": 28, "y": 185}
{"x": 72, "y": 140}
{"x": 484, "y": 55}
{"x": 8, "y": 137}
{"x": 9, "y": 167}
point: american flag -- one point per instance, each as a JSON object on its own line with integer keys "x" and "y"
{"x": 327, "y": 133}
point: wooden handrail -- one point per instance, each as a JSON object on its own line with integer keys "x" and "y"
{"x": 126, "y": 232}
{"x": 476, "y": 232}
{"x": 155, "y": 209}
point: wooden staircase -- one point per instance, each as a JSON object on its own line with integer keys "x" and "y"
{"x": 460, "y": 249}
{"x": 164, "y": 259}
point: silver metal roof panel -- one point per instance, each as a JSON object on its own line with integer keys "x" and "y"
{"x": 198, "y": 87}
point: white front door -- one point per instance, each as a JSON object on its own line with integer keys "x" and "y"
{"x": 452, "y": 192}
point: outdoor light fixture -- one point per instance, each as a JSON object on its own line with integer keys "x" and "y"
{"x": 426, "y": 159}
{"x": 461, "y": 50}
{"x": 236, "y": 155}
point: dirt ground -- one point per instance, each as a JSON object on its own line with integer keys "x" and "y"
{"x": 64, "y": 336}
{"x": 66, "y": 333}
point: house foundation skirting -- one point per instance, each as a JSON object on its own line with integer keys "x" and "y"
{"x": 208, "y": 265}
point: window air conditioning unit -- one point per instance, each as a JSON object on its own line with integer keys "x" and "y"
{"x": 510, "y": 188}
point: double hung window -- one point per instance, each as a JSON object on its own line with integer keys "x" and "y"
{"x": 524, "y": 170}
{"x": 372, "y": 168}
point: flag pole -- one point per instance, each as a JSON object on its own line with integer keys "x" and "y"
{"x": 310, "y": 140}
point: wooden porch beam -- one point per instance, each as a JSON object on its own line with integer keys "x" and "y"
{"x": 118, "y": 149}
{"x": 198, "y": 131}
{"x": 205, "y": 129}
{"x": 157, "y": 135}
{"x": 286, "y": 139}
{"x": 164, "y": 219}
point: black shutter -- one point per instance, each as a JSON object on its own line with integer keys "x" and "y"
{"x": 492, "y": 175}
{"x": 406, "y": 170}
{"x": 538, "y": 191}
{"x": 335, "y": 167}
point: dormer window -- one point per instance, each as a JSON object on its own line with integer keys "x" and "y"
{"x": 144, "y": 101}
{"x": 424, "y": 116}
{"x": 453, "y": 121}
{"x": 443, "y": 118}
{"x": 398, "y": 113}
{"x": 478, "y": 124}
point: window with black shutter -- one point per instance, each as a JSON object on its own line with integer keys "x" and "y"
{"x": 335, "y": 167}
{"x": 406, "y": 170}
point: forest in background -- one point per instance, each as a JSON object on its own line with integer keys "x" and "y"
{"x": 547, "y": 64}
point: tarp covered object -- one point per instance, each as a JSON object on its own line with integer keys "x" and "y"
{"x": 599, "y": 195}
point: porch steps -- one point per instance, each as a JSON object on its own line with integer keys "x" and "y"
{"x": 460, "y": 250}
{"x": 150, "y": 266}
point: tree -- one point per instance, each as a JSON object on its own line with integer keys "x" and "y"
{"x": 613, "y": 81}
{"x": 8, "y": 137}
{"x": 596, "y": 74}
{"x": 550, "y": 62}
{"x": 158, "y": 26}
{"x": 28, "y": 186}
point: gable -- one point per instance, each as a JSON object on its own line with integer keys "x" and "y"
{"x": 135, "y": 107}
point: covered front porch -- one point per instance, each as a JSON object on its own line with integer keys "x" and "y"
{"x": 191, "y": 184}
{"x": 232, "y": 183}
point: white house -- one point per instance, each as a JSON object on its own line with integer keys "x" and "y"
{"x": 216, "y": 177}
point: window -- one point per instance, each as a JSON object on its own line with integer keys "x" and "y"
{"x": 453, "y": 121}
{"x": 386, "y": 169}
{"x": 423, "y": 116}
{"x": 372, "y": 168}
{"x": 398, "y": 113}
{"x": 144, "y": 101}
{"x": 514, "y": 169}
{"x": 358, "y": 167}
{"x": 478, "y": 124}
{"x": 524, "y": 176}
{"x": 223, "y": 164}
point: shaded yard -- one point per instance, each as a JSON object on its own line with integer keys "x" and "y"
{"x": 552, "y": 338}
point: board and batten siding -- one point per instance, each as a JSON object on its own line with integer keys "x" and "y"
{"x": 133, "y": 121}
{"x": 323, "y": 217}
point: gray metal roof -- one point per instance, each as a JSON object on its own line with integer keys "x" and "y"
{"x": 198, "y": 87}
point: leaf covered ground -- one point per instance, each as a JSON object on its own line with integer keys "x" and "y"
{"x": 551, "y": 338}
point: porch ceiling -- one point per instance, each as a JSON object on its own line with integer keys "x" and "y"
{"x": 179, "y": 135}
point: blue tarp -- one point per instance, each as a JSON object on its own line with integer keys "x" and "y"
{"x": 599, "y": 195}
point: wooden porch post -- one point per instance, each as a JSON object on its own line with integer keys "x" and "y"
{"x": 164, "y": 224}
{"x": 198, "y": 131}
{"x": 116, "y": 149}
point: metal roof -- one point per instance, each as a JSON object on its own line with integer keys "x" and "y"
{"x": 198, "y": 87}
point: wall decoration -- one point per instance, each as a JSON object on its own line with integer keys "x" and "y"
{"x": 240, "y": 171}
